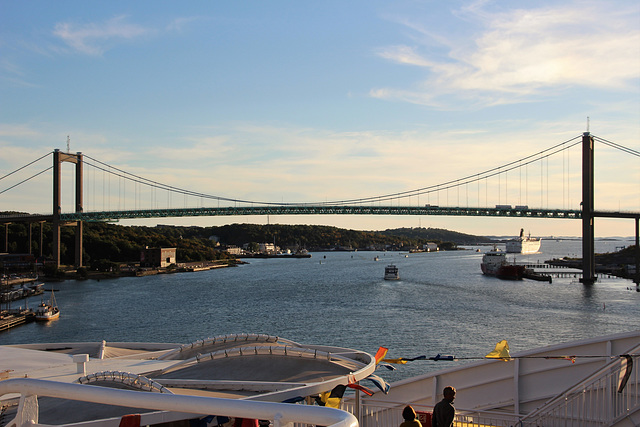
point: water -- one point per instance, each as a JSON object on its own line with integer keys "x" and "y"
{"x": 442, "y": 304}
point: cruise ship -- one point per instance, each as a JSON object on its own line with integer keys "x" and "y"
{"x": 251, "y": 377}
{"x": 523, "y": 244}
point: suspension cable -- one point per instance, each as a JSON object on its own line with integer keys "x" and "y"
{"x": 618, "y": 146}
{"x": 424, "y": 190}
{"x": 25, "y": 180}
{"x": 488, "y": 173}
{"x": 155, "y": 184}
{"x": 27, "y": 165}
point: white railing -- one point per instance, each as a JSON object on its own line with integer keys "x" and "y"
{"x": 281, "y": 414}
{"x": 391, "y": 415}
{"x": 594, "y": 402}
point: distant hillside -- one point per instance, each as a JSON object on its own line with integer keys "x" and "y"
{"x": 117, "y": 243}
{"x": 320, "y": 237}
{"x": 436, "y": 235}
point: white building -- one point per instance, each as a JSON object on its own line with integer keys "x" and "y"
{"x": 430, "y": 247}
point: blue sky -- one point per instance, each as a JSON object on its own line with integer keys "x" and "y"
{"x": 318, "y": 101}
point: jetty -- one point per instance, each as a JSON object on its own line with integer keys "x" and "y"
{"x": 11, "y": 318}
{"x": 14, "y": 293}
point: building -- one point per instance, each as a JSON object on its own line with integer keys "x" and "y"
{"x": 268, "y": 248}
{"x": 157, "y": 257}
{"x": 234, "y": 250}
{"x": 16, "y": 262}
{"x": 263, "y": 248}
{"x": 430, "y": 247}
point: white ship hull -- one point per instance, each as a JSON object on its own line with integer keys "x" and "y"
{"x": 523, "y": 244}
{"x": 528, "y": 246}
{"x": 538, "y": 387}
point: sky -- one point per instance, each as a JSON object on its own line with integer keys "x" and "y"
{"x": 305, "y": 102}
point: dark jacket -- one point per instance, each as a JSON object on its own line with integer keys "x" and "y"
{"x": 443, "y": 414}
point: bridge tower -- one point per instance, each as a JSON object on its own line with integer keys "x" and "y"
{"x": 58, "y": 158}
{"x": 588, "y": 255}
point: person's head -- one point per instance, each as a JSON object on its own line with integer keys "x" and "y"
{"x": 449, "y": 393}
{"x": 408, "y": 413}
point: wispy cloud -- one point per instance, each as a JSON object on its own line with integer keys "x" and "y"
{"x": 179, "y": 24}
{"x": 520, "y": 54}
{"x": 96, "y": 38}
{"x": 14, "y": 74}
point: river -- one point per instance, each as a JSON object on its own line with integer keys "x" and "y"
{"x": 442, "y": 304}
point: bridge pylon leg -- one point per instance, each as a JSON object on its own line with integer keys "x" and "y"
{"x": 58, "y": 158}
{"x": 588, "y": 254}
{"x": 637, "y": 278}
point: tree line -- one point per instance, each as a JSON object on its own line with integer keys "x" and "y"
{"x": 118, "y": 243}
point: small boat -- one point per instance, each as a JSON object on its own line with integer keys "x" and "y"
{"x": 494, "y": 263}
{"x": 376, "y": 258}
{"x": 391, "y": 272}
{"x": 523, "y": 244}
{"x": 45, "y": 312}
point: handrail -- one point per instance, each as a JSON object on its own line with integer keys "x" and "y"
{"x": 603, "y": 378}
{"x": 280, "y": 413}
{"x": 390, "y": 413}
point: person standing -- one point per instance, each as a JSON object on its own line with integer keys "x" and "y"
{"x": 409, "y": 416}
{"x": 444, "y": 412}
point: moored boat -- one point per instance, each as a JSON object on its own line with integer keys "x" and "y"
{"x": 494, "y": 263}
{"x": 523, "y": 244}
{"x": 47, "y": 311}
{"x": 391, "y": 272}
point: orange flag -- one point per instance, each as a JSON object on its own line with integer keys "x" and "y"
{"x": 382, "y": 352}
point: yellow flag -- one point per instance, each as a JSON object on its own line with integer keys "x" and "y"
{"x": 500, "y": 352}
{"x": 330, "y": 402}
{"x": 399, "y": 361}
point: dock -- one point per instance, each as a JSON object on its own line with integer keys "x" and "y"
{"x": 558, "y": 270}
{"x": 11, "y": 319}
{"x": 13, "y": 293}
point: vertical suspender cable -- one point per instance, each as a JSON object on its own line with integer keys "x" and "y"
{"x": 547, "y": 182}
{"x": 506, "y": 187}
{"x": 564, "y": 154}
{"x": 520, "y": 189}
{"x": 499, "y": 189}
{"x": 569, "y": 204}
{"x": 541, "y": 183}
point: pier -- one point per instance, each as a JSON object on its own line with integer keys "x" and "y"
{"x": 552, "y": 270}
{"x": 15, "y": 318}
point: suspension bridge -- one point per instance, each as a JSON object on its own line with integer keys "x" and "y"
{"x": 144, "y": 195}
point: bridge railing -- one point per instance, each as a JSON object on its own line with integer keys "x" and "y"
{"x": 321, "y": 210}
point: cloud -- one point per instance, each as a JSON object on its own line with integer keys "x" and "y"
{"x": 13, "y": 74}
{"x": 520, "y": 54}
{"x": 179, "y": 24}
{"x": 95, "y": 39}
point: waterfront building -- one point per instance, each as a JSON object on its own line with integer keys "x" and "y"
{"x": 157, "y": 257}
